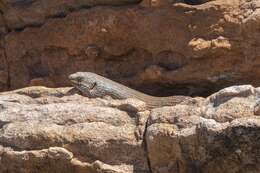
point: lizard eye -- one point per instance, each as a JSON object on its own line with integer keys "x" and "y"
{"x": 79, "y": 79}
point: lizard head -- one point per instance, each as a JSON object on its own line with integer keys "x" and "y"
{"x": 85, "y": 82}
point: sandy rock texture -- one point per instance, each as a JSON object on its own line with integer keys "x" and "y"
{"x": 221, "y": 135}
{"x": 50, "y": 130}
{"x": 56, "y": 130}
{"x": 162, "y": 47}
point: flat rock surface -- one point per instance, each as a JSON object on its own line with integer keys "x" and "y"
{"x": 56, "y": 130}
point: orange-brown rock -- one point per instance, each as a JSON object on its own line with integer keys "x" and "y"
{"x": 168, "y": 47}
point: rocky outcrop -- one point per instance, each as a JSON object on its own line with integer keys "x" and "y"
{"x": 29, "y": 13}
{"x": 46, "y": 130}
{"x": 58, "y": 130}
{"x": 221, "y": 135}
{"x": 162, "y": 47}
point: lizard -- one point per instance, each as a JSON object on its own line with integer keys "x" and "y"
{"x": 94, "y": 85}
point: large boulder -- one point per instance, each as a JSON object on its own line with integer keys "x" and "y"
{"x": 220, "y": 135}
{"x": 162, "y": 47}
{"x": 57, "y": 130}
{"x": 43, "y": 129}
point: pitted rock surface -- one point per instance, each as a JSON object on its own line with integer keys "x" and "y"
{"x": 160, "y": 47}
{"x": 55, "y": 130}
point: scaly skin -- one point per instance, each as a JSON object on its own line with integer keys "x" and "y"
{"x": 94, "y": 85}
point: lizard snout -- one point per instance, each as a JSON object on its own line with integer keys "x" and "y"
{"x": 76, "y": 78}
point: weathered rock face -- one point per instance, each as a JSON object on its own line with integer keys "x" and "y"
{"x": 44, "y": 130}
{"x": 4, "y": 79}
{"x": 57, "y": 130}
{"x": 162, "y": 47}
{"x": 220, "y": 135}
{"x": 25, "y": 13}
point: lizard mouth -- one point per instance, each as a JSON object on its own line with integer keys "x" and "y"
{"x": 75, "y": 82}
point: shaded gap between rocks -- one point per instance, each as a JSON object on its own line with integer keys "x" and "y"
{"x": 195, "y": 2}
{"x": 145, "y": 146}
{"x": 7, "y": 65}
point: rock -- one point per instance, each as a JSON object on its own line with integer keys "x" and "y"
{"x": 51, "y": 126}
{"x": 26, "y": 13}
{"x": 104, "y": 168}
{"x": 59, "y": 153}
{"x": 257, "y": 108}
{"x": 45, "y": 41}
{"x": 58, "y": 159}
{"x": 39, "y": 91}
{"x": 231, "y": 92}
{"x": 201, "y": 48}
{"x": 230, "y": 103}
{"x": 129, "y": 105}
{"x": 203, "y": 138}
{"x": 54, "y": 130}
{"x": 4, "y": 83}
{"x": 92, "y": 51}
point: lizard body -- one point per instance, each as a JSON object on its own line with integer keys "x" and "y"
{"x": 94, "y": 85}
